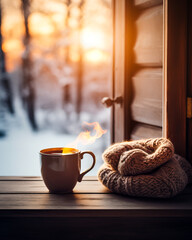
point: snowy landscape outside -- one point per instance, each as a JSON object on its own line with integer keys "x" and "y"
{"x": 55, "y": 68}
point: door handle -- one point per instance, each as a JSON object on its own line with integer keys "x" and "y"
{"x": 108, "y": 102}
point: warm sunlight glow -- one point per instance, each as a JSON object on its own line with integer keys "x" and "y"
{"x": 58, "y": 20}
{"x": 74, "y": 56}
{"x": 56, "y": 60}
{"x": 40, "y": 24}
{"x": 96, "y": 56}
{"x": 92, "y": 39}
{"x": 88, "y": 137}
{"x": 12, "y": 45}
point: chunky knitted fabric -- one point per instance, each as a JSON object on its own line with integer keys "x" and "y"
{"x": 145, "y": 168}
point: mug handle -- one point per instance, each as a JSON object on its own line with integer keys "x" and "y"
{"x": 93, "y": 164}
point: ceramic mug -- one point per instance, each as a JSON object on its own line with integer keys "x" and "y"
{"x": 60, "y": 168}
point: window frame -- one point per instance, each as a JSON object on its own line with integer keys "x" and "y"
{"x": 189, "y": 79}
{"x": 122, "y": 65}
{"x": 175, "y": 74}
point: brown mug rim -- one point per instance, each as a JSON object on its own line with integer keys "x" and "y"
{"x": 51, "y": 151}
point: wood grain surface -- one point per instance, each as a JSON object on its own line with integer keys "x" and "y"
{"x": 148, "y": 47}
{"x": 141, "y": 131}
{"x": 147, "y": 97}
{"x": 176, "y": 73}
{"x": 24, "y": 195}
{"x": 29, "y": 211}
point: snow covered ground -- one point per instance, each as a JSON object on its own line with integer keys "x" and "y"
{"x": 20, "y": 148}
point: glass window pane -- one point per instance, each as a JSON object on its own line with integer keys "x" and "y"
{"x": 55, "y": 69}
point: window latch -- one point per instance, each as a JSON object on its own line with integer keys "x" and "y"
{"x": 108, "y": 102}
{"x": 189, "y": 107}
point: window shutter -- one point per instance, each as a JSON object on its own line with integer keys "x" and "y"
{"x": 152, "y": 71}
{"x": 138, "y": 48}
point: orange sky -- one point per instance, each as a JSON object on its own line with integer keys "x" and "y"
{"x": 48, "y": 32}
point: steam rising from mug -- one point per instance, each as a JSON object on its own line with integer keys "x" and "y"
{"x": 88, "y": 137}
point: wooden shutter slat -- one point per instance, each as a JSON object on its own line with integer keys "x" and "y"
{"x": 148, "y": 47}
{"x": 147, "y": 101}
{"x": 141, "y": 131}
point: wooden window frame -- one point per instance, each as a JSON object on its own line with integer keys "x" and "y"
{"x": 175, "y": 73}
{"x": 122, "y": 66}
{"x": 175, "y": 60}
{"x": 189, "y": 78}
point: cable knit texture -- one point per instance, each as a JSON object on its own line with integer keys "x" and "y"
{"x": 145, "y": 168}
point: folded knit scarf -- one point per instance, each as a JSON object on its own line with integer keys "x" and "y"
{"x": 145, "y": 168}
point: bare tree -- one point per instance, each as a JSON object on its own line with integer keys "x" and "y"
{"x": 6, "y": 97}
{"x": 67, "y": 87}
{"x": 28, "y": 89}
{"x": 79, "y": 67}
{"x": 4, "y": 78}
{"x": 80, "y": 62}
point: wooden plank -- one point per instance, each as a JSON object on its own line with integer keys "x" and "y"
{"x": 74, "y": 213}
{"x": 37, "y": 178}
{"x": 175, "y": 72}
{"x": 91, "y": 201}
{"x": 20, "y": 178}
{"x": 148, "y": 47}
{"x": 147, "y": 3}
{"x": 95, "y": 213}
{"x": 47, "y": 216}
{"x": 189, "y": 80}
{"x": 34, "y": 187}
{"x": 119, "y": 53}
{"x": 123, "y": 52}
{"x": 113, "y": 90}
{"x": 147, "y": 101}
{"x": 142, "y": 131}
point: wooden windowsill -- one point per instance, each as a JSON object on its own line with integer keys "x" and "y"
{"x": 26, "y": 201}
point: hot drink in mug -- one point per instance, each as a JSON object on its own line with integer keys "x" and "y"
{"x": 60, "y": 168}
